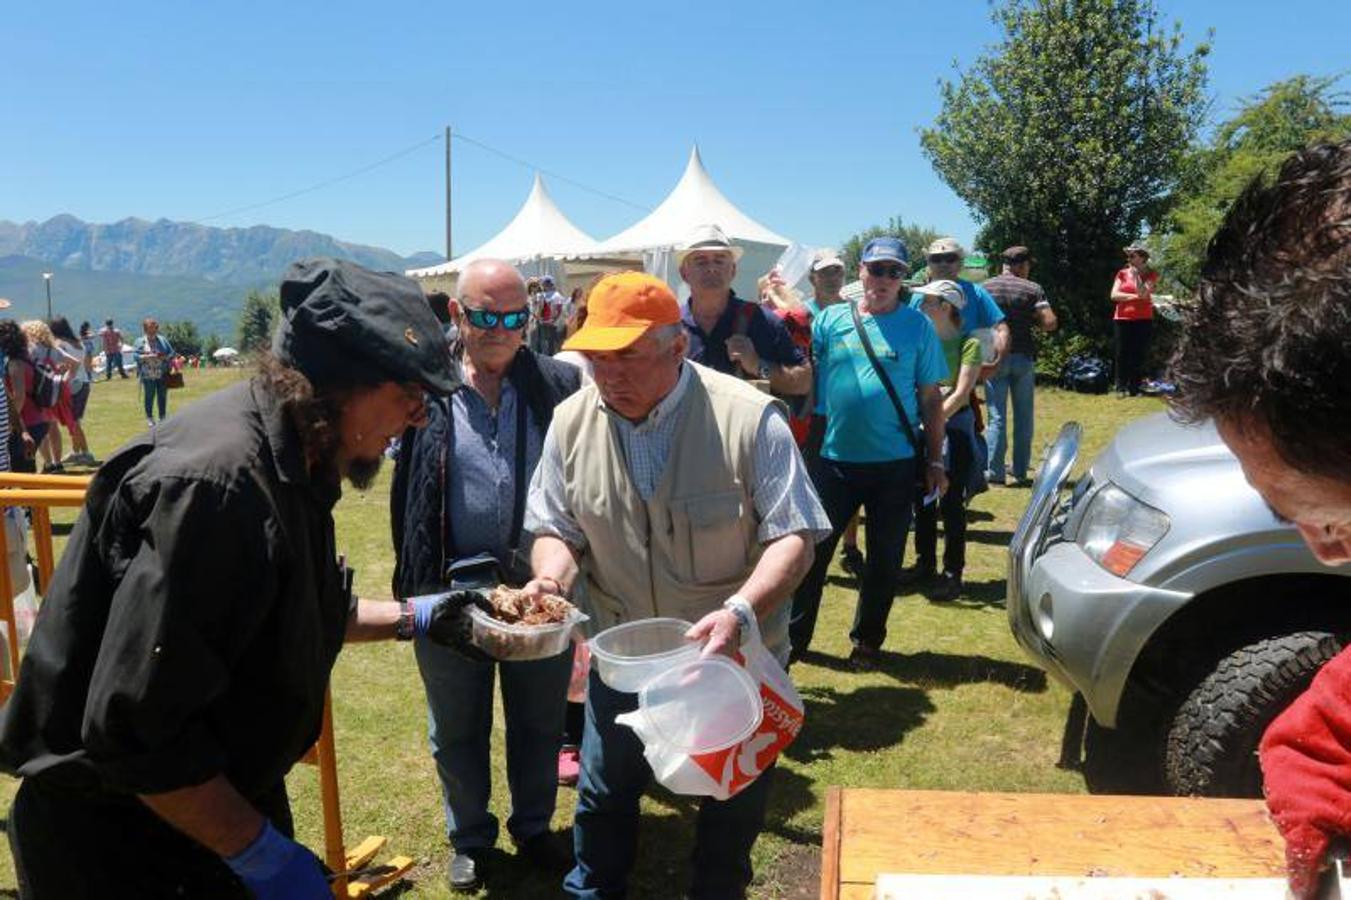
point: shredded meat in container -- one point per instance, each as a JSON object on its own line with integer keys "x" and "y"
{"x": 518, "y": 608}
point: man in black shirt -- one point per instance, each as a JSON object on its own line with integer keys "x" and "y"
{"x": 731, "y": 335}
{"x": 179, "y": 662}
{"x": 1025, "y": 307}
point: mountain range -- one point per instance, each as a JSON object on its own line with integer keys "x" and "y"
{"x": 171, "y": 270}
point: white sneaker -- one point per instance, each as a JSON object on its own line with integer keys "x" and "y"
{"x": 150, "y": 423}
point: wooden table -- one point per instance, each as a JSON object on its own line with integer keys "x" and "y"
{"x": 870, "y": 832}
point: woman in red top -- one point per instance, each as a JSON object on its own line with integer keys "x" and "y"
{"x": 1132, "y": 294}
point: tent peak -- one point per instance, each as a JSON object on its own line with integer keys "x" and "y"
{"x": 696, "y": 160}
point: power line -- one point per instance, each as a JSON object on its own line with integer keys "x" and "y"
{"x": 456, "y": 135}
{"x": 328, "y": 183}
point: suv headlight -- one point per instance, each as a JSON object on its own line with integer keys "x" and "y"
{"x": 1117, "y": 530}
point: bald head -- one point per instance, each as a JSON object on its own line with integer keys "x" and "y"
{"x": 491, "y": 284}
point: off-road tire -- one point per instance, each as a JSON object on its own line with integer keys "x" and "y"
{"x": 1211, "y": 749}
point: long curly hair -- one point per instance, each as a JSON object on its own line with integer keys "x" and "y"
{"x": 1267, "y": 347}
{"x": 315, "y": 414}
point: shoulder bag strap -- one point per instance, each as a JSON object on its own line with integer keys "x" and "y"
{"x": 886, "y": 381}
{"x": 518, "y": 504}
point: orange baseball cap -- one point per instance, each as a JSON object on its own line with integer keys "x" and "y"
{"x": 621, "y": 308}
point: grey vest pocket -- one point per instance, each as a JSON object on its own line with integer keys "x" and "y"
{"x": 708, "y": 535}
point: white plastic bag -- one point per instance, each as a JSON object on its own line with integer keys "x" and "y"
{"x": 722, "y": 774}
{"x": 25, "y": 613}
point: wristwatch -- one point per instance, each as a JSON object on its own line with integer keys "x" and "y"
{"x": 737, "y": 606}
{"x": 764, "y": 369}
{"x": 403, "y": 627}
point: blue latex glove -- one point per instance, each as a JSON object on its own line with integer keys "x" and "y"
{"x": 274, "y": 867}
{"x": 443, "y": 618}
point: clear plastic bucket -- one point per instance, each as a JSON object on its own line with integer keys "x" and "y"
{"x": 628, "y": 656}
{"x": 501, "y": 640}
{"x": 703, "y": 706}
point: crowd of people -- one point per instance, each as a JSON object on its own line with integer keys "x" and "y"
{"x": 49, "y": 375}
{"x": 642, "y": 456}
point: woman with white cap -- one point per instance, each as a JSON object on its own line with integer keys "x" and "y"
{"x": 943, "y": 302}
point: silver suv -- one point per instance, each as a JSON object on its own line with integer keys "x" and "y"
{"x": 1165, "y": 594}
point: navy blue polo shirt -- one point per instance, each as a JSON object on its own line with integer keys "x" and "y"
{"x": 767, "y": 334}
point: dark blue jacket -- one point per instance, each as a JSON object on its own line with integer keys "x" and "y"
{"x": 423, "y": 538}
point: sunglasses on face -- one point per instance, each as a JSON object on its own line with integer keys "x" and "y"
{"x": 886, "y": 270}
{"x": 482, "y": 318}
{"x": 942, "y": 258}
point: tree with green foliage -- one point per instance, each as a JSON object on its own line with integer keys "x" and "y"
{"x": 1070, "y": 137}
{"x": 257, "y": 319}
{"x": 1278, "y": 121}
{"x": 210, "y": 346}
{"x": 916, "y": 238}
{"x": 183, "y": 337}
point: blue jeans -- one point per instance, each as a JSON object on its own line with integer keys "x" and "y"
{"x": 605, "y": 833}
{"x": 1016, "y": 375}
{"x": 154, "y": 391}
{"x": 460, "y": 724}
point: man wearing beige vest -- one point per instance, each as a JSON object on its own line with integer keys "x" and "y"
{"x": 665, "y": 489}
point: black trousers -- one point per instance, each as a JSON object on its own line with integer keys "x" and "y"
{"x": 1132, "y": 345}
{"x": 70, "y": 845}
{"x": 885, "y": 491}
{"x": 951, "y": 506}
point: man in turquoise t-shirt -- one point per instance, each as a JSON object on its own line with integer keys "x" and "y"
{"x": 866, "y": 459}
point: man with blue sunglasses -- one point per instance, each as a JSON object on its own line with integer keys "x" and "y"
{"x": 458, "y": 503}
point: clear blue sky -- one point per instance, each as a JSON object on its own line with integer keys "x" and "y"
{"x": 806, "y": 114}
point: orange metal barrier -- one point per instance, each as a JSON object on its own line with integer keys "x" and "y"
{"x": 40, "y": 493}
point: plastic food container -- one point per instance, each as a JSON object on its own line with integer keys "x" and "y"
{"x": 701, "y": 707}
{"x": 501, "y": 640}
{"x": 628, "y": 656}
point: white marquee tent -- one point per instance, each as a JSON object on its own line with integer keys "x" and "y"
{"x": 695, "y": 201}
{"x": 535, "y": 240}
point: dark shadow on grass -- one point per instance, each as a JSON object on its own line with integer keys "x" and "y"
{"x": 507, "y": 876}
{"x": 990, "y": 538}
{"x": 946, "y": 670}
{"x": 979, "y": 515}
{"x": 872, "y": 717}
{"x": 62, "y": 529}
{"x": 974, "y": 595}
{"x": 791, "y": 794}
{"x": 848, "y": 582}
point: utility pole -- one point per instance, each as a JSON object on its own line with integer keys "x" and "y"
{"x": 47, "y": 277}
{"x": 449, "y": 245}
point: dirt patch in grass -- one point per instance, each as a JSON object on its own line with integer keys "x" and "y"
{"x": 794, "y": 875}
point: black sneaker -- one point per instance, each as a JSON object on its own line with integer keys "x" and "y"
{"x": 548, "y": 852}
{"x": 463, "y": 872}
{"x": 851, "y": 560}
{"x": 949, "y": 587}
{"x": 863, "y": 658}
{"x": 916, "y": 575}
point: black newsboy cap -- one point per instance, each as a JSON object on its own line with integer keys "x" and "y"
{"x": 344, "y": 325}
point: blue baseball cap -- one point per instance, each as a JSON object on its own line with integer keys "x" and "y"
{"x": 886, "y": 249}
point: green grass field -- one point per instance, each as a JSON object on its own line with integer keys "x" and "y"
{"x": 955, "y": 704}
